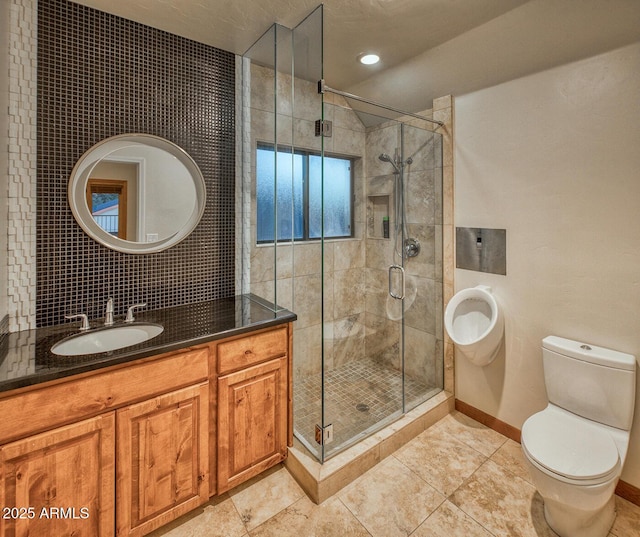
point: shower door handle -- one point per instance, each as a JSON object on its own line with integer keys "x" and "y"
{"x": 393, "y": 268}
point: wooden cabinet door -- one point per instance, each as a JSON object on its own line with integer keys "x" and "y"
{"x": 162, "y": 464}
{"x": 252, "y": 421}
{"x": 61, "y": 482}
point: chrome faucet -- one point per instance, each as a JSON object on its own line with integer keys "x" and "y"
{"x": 108, "y": 316}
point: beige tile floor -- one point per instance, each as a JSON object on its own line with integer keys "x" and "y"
{"x": 458, "y": 478}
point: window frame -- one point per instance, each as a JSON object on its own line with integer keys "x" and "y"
{"x": 306, "y": 153}
{"x": 110, "y": 186}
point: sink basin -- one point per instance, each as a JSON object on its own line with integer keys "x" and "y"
{"x": 106, "y": 339}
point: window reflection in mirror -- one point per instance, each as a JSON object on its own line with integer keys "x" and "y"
{"x": 107, "y": 200}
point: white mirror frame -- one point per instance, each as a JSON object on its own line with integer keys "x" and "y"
{"x": 78, "y": 185}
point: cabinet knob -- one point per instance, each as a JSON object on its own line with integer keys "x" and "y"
{"x": 248, "y": 352}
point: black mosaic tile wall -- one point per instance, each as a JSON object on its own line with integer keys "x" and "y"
{"x": 100, "y": 75}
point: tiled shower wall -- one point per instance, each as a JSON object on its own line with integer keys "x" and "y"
{"x": 300, "y": 268}
{"x": 4, "y": 167}
{"x": 443, "y": 110}
{"x": 98, "y": 76}
{"x": 422, "y": 306}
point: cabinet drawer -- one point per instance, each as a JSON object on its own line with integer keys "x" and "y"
{"x": 47, "y": 407}
{"x": 252, "y": 349}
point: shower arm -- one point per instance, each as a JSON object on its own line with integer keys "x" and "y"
{"x": 323, "y": 88}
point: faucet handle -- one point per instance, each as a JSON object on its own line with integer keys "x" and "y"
{"x": 130, "y": 318}
{"x": 85, "y": 320}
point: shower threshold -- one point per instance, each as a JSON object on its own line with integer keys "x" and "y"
{"x": 320, "y": 481}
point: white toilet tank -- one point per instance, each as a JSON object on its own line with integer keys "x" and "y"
{"x": 595, "y": 383}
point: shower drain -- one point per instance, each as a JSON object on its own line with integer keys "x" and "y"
{"x": 362, "y": 407}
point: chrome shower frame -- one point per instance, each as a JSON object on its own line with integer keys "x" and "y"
{"x": 323, "y": 88}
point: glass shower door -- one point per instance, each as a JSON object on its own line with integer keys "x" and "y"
{"x": 423, "y": 337}
{"x": 364, "y": 281}
{"x": 382, "y": 320}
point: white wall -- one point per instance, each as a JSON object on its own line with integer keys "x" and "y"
{"x": 4, "y": 153}
{"x": 21, "y": 158}
{"x": 533, "y": 37}
{"x": 554, "y": 158}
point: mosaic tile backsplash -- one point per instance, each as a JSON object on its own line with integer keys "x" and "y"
{"x": 98, "y": 76}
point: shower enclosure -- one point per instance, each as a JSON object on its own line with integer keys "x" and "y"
{"x": 342, "y": 224}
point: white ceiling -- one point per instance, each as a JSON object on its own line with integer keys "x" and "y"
{"x": 428, "y": 48}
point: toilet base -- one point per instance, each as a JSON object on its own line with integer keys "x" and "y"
{"x": 568, "y": 521}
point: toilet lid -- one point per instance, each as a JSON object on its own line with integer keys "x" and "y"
{"x": 569, "y": 446}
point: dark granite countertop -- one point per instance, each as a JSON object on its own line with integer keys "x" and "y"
{"x": 26, "y": 359}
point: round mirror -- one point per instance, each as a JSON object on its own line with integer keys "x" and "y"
{"x": 137, "y": 193}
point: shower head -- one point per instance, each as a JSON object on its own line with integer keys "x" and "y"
{"x": 386, "y": 158}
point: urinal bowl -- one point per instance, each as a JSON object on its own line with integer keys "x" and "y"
{"x": 474, "y": 321}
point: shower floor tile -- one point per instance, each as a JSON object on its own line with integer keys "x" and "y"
{"x": 360, "y": 397}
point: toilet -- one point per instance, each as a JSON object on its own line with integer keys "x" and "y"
{"x": 474, "y": 321}
{"x": 576, "y": 447}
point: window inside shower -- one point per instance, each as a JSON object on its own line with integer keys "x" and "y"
{"x": 300, "y": 174}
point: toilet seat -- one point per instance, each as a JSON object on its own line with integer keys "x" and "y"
{"x": 569, "y": 448}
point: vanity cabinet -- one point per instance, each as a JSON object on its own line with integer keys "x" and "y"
{"x": 60, "y": 482}
{"x": 253, "y": 405}
{"x": 162, "y": 459}
{"x": 126, "y": 449}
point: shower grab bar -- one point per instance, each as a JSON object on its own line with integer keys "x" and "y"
{"x": 401, "y": 269}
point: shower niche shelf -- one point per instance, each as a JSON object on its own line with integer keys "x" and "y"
{"x": 377, "y": 211}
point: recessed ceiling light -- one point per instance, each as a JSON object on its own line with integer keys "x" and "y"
{"x": 369, "y": 59}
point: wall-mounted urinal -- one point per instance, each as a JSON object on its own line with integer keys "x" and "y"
{"x": 475, "y": 324}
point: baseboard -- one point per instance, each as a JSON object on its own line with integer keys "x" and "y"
{"x": 626, "y": 491}
{"x": 493, "y": 423}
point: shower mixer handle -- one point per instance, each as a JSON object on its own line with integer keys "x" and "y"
{"x": 411, "y": 247}
{"x": 393, "y": 268}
